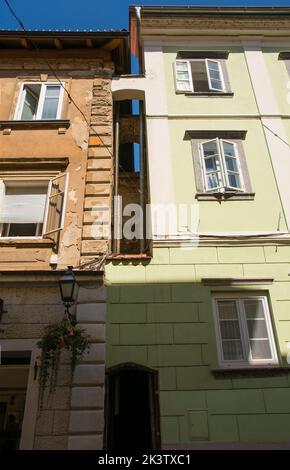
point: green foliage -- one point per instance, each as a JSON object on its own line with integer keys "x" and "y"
{"x": 63, "y": 335}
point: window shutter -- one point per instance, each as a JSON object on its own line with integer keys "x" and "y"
{"x": 183, "y": 77}
{"x": 55, "y": 205}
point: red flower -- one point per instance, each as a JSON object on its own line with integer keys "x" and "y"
{"x": 60, "y": 342}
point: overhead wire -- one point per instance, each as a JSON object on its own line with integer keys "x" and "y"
{"x": 70, "y": 97}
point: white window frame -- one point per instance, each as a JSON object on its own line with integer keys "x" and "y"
{"x": 224, "y": 179}
{"x": 44, "y": 223}
{"x": 219, "y": 170}
{"x": 206, "y": 62}
{"x": 38, "y": 114}
{"x": 2, "y": 194}
{"x": 209, "y": 78}
{"x": 250, "y": 362}
{"x": 187, "y": 81}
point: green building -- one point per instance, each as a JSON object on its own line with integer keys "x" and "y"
{"x": 198, "y": 330}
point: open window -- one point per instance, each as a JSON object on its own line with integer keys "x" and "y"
{"x": 39, "y": 101}
{"x": 221, "y": 165}
{"x": 201, "y": 72}
{"x": 32, "y": 208}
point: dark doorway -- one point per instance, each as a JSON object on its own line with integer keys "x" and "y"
{"x": 14, "y": 371}
{"x": 132, "y": 418}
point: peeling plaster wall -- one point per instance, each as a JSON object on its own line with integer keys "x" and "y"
{"x": 88, "y": 81}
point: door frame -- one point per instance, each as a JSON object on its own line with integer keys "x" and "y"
{"x": 153, "y": 383}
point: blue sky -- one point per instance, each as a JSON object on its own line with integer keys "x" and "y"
{"x": 93, "y": 14}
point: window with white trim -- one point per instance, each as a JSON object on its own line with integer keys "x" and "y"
{"x": 39, "y": 101}
{"x": 200, "y": 76}
{"x": 244, "y": 331}
{"x": 32, "y": 208}
{"x": 221, "y": 165}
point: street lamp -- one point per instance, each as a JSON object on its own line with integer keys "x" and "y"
{"x": 67, "y": 285}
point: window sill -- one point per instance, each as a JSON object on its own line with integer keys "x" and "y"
{"x": 26, "y": 242}
{"x": 60, "y": 124}
{"x": 251, "y": 371}
{"x": 233, "y": 196}
{"x": 209, "y": 94}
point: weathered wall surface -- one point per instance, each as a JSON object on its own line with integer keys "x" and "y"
{"x": 88, "y": 82}
{"x": 72, "y": 416}
{"x": 160, "y": 315}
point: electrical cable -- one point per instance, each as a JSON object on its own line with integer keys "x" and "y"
{"x": 89, "y": 126}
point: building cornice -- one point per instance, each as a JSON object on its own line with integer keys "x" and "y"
{"x": 196, "y": 240}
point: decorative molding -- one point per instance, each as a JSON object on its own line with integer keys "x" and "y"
{"x": 253, "y": 371}
{"x": 26, "y": 242}
{"x": 284, "y": 56}
{"x": 236, "y": 282}
{"x": 229, "y": 195}
{"x": 35, "y": 124}
{"x": 195, "y": 240}
{"x": 209, "y": 94}
{"x": 226, "y": 134}
{"x": 30, "y": 163}
{"x": 202, "y": 54}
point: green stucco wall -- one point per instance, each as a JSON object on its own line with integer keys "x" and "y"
{"x": 168, "y": 325}
{"x": 243, "y": 101}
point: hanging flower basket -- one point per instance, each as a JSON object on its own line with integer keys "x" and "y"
{"x": 60, "y": 336}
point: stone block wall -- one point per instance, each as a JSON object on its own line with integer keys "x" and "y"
{"x": 73, "y": 416}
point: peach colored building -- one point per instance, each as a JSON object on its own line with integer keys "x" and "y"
{"x": 55, "y": 190}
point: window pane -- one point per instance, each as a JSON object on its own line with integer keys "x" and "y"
{"x": 257, "y": 329}
{"x": 231, "y": 164}
{"x": 183, "y": 86}
{"x": 216, "y": 84}
{"x": 212, "y": 181}
{"x": 210, "y": 148}
{"x": 229, "y": 149}
{"x": 51, "y": 102}
{"x": 232, "y": 350}
{"x": 214, "y": 75}
{"x": 254, "y": 309}
{"x": 183, "y": 76}
{"x": 210, "y": 164}
{"x": 181, "y": 66}
{"x": 234, "y": 181}
{"x": 22, "y": 230}
{"x": 230, "y": 329}
{"x": 213, "y": 65}
{"x": 29, "y": 106}
{"x": 260, "y": 349}
{"x": 227, "y": 310}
